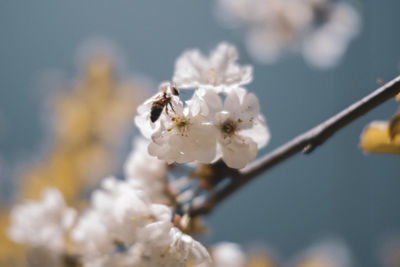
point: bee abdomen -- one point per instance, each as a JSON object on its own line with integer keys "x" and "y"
{"x": 155, "y": 112}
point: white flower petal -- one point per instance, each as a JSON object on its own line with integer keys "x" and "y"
{"x": 219, "y": 71}
{"x": 228, "y": 254}
{"x": 205, "y": 102}
{"x": 196, "y": 140}
{"x": 232, "y": 103}
{"x": 238, "y": 151}
{"x": 42, "y": 223}
{"x": 259, "y": 132}
{"x": 146, "y": 172}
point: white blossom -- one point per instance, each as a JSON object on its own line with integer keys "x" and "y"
{"x": 319, "y": 29}
{"x": 165, "y": 245}
{"x": 140, "y": 163}
{"x": 219, "y": 71}
{"x": 42, "y": 223}
{"x": 327, "y": 253}
{"x": 184, "y": 137}
{"x": 205, "y": 129}
{"x": 226, "y": 254}
{"x": 92, "y": 236}
{"x": 116, "y": 212}
{"x": 121, "y": 216}
{"x": 146, "y": 172}
{"x": 241, "y": 130}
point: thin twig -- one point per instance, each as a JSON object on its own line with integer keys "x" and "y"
{"x": 305, "y": 143}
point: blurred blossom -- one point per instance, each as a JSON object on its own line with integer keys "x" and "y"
{"x": 261, "y": 259}
{"x": 110, "y": 217}
{"x": 390, "y": 252}
{"x": 325, "y": 46}
{"x": 100, "y": 48}
{"x": 121, "y": 215}
{"x": 329, "y": 253}
{"x": 228, "y": 254}
{"x": 42, "y": 225}
{"x": 145, "y": 171}
{"x": 320, "y": 30}
{"x": 90, "y": 122}
{"x": 232, "y": 255}
{"x": 125, "y": 224}
{"x": 219, "y": 71}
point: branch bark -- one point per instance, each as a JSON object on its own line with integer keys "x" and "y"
{"x": 305, "y": 143}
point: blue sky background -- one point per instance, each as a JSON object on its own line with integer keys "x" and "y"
{"x": 335, "y": 191}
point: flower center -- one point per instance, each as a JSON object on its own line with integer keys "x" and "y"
{"x": 229, "y": 127}
{"x": 181, "y": 123}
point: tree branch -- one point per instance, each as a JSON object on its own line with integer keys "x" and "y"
{"x": 305, "y": 143}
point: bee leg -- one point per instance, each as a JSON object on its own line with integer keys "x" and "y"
{"x": 166, "y": 110}
{"x": 172, "y": 107}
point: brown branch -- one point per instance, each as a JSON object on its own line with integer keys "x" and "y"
{"x": 305, "y": 143}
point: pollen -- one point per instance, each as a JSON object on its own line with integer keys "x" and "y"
{"x": 181, "y": 123}
{"x": 229, "y": 128}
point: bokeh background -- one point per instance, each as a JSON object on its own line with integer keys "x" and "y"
{"x": 337, "y": 191}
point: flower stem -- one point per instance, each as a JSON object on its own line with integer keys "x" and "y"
{"x": 305, "y": 143}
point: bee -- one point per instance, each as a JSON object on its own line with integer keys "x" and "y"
{"x": 162, "y": 101}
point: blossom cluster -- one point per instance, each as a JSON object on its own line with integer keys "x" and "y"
{"x": 220, "y": 121}
{"x": 124, "y": 228}
{"x": 329, "y": 252}
{"x": 320, "y": 30}
{"x": 42, "y": 225}
{"x": 128, "y": 223}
